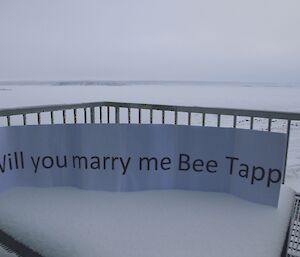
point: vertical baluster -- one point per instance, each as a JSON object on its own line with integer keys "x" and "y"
{"x": 189, "y": 118}
{"x": 151, "y": 116}
{"x": 39, "y": 118}
{"x": 92, "y": 114}
{"x": 219, "y": 120}
{"x": 251, "y": 123}
{"x": 100, "y": 113}
{"x": 108, "y": 114}
{"x": 163, "y": 116}
{"x": 269, "y": 124}
{"x": 203, "y": 119}
{"x": 129, "y": 114}
{"x": 117, "y": 115}
{"x": 52, "y": 117}
{"x": 175, "y": 117}
{"x": 75, "y": 115}
{"x": 140, "y": 116}
{"x": 234, "y": 121}
{"x": 24, "y": 119}
{"x": 64, "y": 116}
{"x": 287, "y": 148}
{"x": 85, "y": 115}
{"x": 8, "y": 120}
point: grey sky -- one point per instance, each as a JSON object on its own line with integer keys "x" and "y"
{"x": 251, "y": 40}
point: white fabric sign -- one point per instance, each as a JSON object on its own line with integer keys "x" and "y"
{"x": 128, "y": 157}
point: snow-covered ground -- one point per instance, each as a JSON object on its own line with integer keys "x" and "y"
{"x": 237, "y": 96}
{"x": 245, "y": 96}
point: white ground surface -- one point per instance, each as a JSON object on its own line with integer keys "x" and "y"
{"x": 249, "y": 96}
{"x": 60, "y": 222}
{"x": 237, "y": 96}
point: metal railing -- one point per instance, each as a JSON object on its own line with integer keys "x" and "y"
{"x": 110, "y": 112}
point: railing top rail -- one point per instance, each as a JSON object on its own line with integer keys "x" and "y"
{"x": 192, "y": 109}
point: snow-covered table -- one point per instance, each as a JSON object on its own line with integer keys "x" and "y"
{"x": 60, "y": 222}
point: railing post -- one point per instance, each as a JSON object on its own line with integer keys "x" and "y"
{"x": 251, "y": 122}
{"x": 64, "y": 116}
{"x": 219, "y": 120}
{"x": 108, "y": 114}
{"x": 117, "y": 115}
{"x": 234, "y": 121}
{"x": 75, "y": 116}
{"x": 85, "y": 115}
{"x": 24, "y": 119}
{"x": 140, "y": 116}
{"x": 100, "y": 113}
{"x": 269, "y": 124}
{"x": 52, "y": 117}
{"x": 287, "y": 149}
{"x": 151, "y": 115}
{"x": 92, "y": 113}
{"x": 39, "y": 118}
{"x": 129, "y": 115}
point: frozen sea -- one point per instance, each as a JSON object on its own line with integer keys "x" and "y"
{"x": 258, "y": 96}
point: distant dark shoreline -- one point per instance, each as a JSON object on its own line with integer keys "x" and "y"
{"x": 143, "y": 83}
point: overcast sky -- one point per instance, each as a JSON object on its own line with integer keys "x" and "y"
{"x": 219, "y": 40}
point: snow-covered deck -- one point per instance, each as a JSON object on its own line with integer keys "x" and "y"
{"x": 59, "y": 222}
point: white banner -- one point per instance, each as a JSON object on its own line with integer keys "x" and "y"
{"x": 128, "y": 157}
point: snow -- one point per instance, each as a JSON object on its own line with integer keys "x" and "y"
{"x": 236, "y": 96}
{"x": 59, "y": 222}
